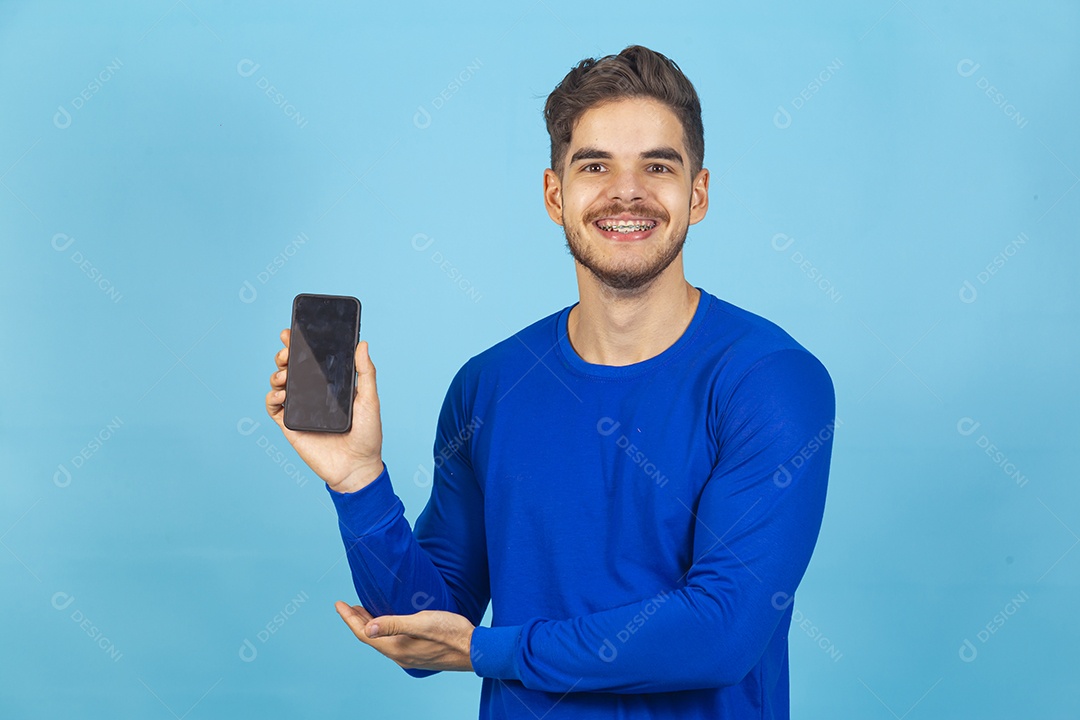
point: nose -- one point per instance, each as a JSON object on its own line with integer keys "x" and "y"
{"x": 626, "y": 185}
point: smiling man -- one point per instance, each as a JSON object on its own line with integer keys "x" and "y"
{"x": 635, "y": 483}
{"x": 626, "y": 206}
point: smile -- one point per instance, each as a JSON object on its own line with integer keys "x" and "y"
{"x": 625, "y": 226}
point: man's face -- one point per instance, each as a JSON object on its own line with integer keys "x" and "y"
{"x": 626, "y": 198}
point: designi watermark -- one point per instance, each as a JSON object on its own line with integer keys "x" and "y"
{"x": 968, "y": 650}
{"x": 781, "y": 601}
{"x": 968, "y": 67}
{"x": 62, "y": 601}
{"x": 63, "y": 241}
{"x": 783, "y": 477}
{"x": 421, "y": 242}
{"x": 248, "y": 292}
{"x": 967, "y": 426}
{"x": 248, "y": 67}
{"x": 781, "y": 242}
{"x": 248, "y": 651}
{"x": 422, "y": 118}
{"x": 62, "y": 118}
{"x": 782, "y": 118}
{"x": 62, "y": 476}
{"x": 424, "y": 477}
{"x": 608, "y": 651}
{"x": 968, "y": 292}
{"x": 247, "y": 427}
{"x": 607, "y": 426}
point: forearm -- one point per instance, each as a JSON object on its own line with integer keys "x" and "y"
{"x": 676, "y": 640}
{"x": 391, "y": 572}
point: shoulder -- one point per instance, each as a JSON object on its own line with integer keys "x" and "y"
{"x": 757, "y": 367}
{"x": 741, "y": 340}
{"x": 516, "y": 353}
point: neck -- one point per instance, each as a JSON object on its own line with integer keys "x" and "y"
{"x": 620, "y": 327}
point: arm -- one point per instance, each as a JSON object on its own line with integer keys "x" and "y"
{"x": 443, "y": 564}
{"x": 756, "y": 523}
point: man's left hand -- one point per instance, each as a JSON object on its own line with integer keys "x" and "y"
{"x": 427, "y": 640}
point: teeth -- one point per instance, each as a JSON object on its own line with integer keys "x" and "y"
{"x": 626, "y": 227}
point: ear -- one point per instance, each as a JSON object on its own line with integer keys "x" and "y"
{"x": 699, "y": 197}
{"x": 553, "y": 196}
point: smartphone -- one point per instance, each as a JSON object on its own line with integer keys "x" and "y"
{"x": 321, "y": 381}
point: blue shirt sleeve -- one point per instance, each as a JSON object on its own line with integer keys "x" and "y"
{"x": 442, "y": 565}
{"x": 756, "y": 524}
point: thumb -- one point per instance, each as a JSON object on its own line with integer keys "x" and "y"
{"x": 388, "y": 625}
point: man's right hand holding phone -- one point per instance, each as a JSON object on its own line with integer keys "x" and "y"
{"x": 348, "y": 461}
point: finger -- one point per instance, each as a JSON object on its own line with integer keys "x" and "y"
{"x": 359, "y": 610}
{"x": 277, "y": 379}
{"x": 275, "y": 402}
{"x": 281, "y": 357}
{"x": 285, "y": 335}
{"x": 366, "y": 389}
{"x": 362, "y": 612}
{"x": 395, "y": 648}
{"x": 352, "y": 618}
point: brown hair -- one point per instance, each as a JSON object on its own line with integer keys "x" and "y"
{"x": 635, "y": 72}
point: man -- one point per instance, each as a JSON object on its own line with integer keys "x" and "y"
{"x": 635, "y": 482}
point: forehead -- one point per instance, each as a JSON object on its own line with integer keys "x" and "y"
{"x": 627, "y": 122}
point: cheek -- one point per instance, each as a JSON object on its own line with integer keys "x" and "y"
{"x": 579, "y": 198}
{"x": 574, "y": 213}
{"x": 677, "y": 206}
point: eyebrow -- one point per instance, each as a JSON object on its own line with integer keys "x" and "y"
{"x": 660, "y": 153}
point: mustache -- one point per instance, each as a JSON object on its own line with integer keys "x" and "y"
{"x": 635, "y": 210}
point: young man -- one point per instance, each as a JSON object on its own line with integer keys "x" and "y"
{"x": 635, "y": 482}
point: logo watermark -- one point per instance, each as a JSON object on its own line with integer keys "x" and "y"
{"x": 782, "y": 477}
{"x": 62, "y": 476}
{"x": 781, "y": 601}
{"x": 248, "y": 651}
{"x": 967, "y": 426}
{"x": 62, "y": 118}
{"x": 422, "y": 118}
{"x": 781, "y": 242}
{"x": 62, "y": 601}
{"x": 607, "y": 426}
{"x": 423, "y": 477}
{"x": 968, "y": 650}
{"x": 248, "y": 292}
{"x": 247, "y": 67}
{"x": 968, "y": 67}
{"x": 421, "y": 242}
{"x": 608, "y": 651}
{"x": 782, "y": 118}
{"x": 247, "y": 427}
{"x": 61, "y": 242}
{"x": 968, "y": 292}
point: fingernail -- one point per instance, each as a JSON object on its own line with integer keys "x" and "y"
{"x": 373, "y": 630}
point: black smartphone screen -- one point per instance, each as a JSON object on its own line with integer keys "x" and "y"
{"x": 321, "y": 379}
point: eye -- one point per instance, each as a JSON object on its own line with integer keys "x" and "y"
{"x": 665, "y": 168}
{"x": 590, "y": 165}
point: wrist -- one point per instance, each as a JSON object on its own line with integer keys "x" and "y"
{"x": 360, "y": 477}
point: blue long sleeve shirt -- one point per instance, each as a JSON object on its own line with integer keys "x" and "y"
{"x": 639, "y": 530}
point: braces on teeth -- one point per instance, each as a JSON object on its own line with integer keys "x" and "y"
{"x": 641, "y": 227}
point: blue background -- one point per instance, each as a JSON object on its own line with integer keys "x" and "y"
{"x": 160, "y": 210}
